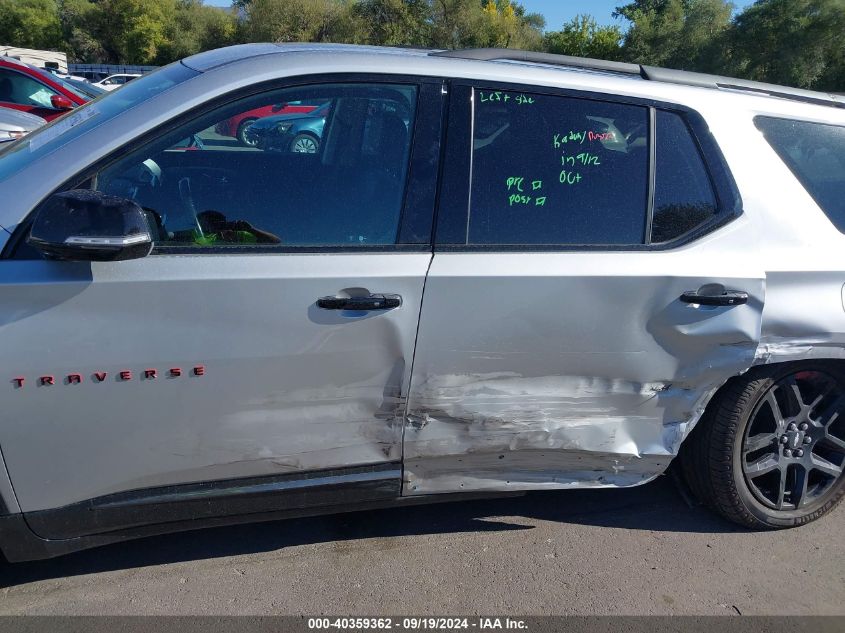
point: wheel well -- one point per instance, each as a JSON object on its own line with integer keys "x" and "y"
{"x": 837, "y": 364}
{"x": 759, "y": 371}
{"x": 737, "y": 425}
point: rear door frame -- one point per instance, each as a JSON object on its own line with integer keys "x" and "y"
{"x": 452, "y": 448}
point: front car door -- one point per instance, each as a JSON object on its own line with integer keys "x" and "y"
{"x": 209, "y": 378}
{"x": 557, "y": 347}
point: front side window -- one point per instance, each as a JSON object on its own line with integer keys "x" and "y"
{"x": 557, "y": 170}
{"x": 18, "y": 88}
{"x": 320, "y": 165}
{"x": 815, "y": 153}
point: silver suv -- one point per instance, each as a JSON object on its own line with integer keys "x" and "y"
{"x": 491, "y": 271}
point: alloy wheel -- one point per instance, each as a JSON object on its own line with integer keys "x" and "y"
{"x": 304, "y": 145}
{"x": 793, "y": 449}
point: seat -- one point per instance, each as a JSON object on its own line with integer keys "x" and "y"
{"x": 6, "y": 90}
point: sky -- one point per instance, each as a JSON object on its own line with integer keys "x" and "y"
{"x": 557, "y": 12}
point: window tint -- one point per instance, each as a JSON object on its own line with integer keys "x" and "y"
{"x": 815, "y": 153}
{"x": 683, "y": 195}
{"x": 311, "y": 166}
{"x": 16, "y": 87}
{"x": 555, "y": 170}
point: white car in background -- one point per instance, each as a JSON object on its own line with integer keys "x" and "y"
{"x": 15, "y": 124}
{"x": 113, "y": 82}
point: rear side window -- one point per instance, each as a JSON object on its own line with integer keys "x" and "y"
{"x": 815, "y": 152}
{"x": 683, "y": 194}
{"x": 557, "y": 170}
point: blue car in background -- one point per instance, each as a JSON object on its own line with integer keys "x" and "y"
{"x": 297, "y": 133}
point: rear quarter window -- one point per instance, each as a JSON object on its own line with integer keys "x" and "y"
{"x": 683, "y": 195}
{"x": 815, "y": 153}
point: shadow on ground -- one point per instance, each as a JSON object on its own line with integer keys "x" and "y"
{"x": 658, "y": 506}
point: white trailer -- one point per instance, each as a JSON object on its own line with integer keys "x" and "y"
{"x": 42, "y": 59}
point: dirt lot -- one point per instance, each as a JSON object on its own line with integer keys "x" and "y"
{"x": 637, "y": 551}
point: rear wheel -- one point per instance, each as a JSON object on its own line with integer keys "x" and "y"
{"x": 770, "y": 450}
{"x": 243, "y": 137}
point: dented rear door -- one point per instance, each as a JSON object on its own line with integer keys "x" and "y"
{"x": 579, "y": 363}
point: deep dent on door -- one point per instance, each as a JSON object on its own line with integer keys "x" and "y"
{"x": 510, "y": 431}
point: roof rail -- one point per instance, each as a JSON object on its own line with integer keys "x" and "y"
{"x": 652, "y": 73}
{"x": 512, "y": 54}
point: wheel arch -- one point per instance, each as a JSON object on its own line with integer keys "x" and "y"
{"x": 833, "y": 357}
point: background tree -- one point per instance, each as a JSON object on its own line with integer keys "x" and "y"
{"x": 299, "y": 21}
{"x": 457, "y": 24}
{"x": 683, "y": 34}
{"x": 583, "y": 37}
{"x": 795, "y": 42}
{"x": 76, "y": 18}
{"x": 195, "y": 27}
{"x": 393, "y": 22}
{"x": 30, "y": 24}
{"x": 507, "y": 25}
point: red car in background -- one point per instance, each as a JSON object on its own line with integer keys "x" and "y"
{"x": 32, "y": 90}
{"x": 237, "y": 125}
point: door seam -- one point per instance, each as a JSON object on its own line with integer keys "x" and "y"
{"x": 404, "y": 418}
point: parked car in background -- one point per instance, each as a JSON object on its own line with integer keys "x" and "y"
{"x": 57, "y": 73}
{"x": 113, "y": 82}
{"x": 623, "y": 267}
{"x": 237, "y": 125}
{"x": 297, "y": 133}
{"x": 15, "y": 124}
{"x": 29, "y": 89}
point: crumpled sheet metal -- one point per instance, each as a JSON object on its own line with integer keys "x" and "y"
{"x": 504, "y": 431}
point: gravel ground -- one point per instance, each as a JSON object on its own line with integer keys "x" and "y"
{"x": 636, "y": 551}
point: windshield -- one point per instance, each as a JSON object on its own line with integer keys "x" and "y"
{"x": 80, "y": 120}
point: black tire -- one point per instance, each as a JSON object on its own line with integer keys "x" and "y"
{"x": 305, "y": 144}
{"x": 715, "y": 457}
{"x": 243, "y": 139}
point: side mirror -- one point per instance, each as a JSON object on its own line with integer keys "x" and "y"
{"x": 85, "y": 225}
{"x": 61, "y": 102}
{"x": 279, "y": 106}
